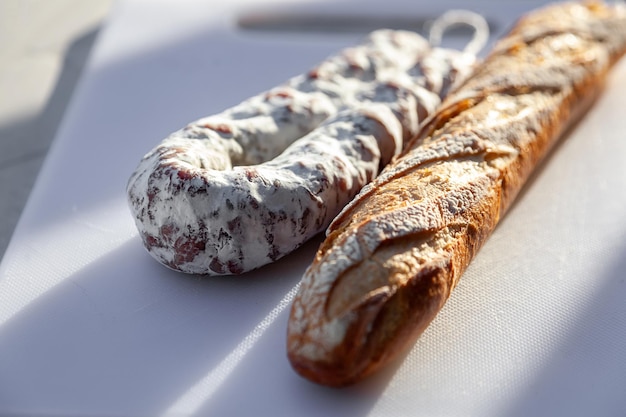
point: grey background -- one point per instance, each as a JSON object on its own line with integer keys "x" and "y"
{"x": 44, "y": 45}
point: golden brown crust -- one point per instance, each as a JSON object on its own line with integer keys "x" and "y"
{"x": 393, "y": 256}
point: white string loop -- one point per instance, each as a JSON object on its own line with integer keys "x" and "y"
{"x": 461, "y": 17}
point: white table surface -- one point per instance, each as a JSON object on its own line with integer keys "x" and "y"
{"x": 90, "y": 325}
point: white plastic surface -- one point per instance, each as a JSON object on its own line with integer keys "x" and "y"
{"x": 90, "y": 325}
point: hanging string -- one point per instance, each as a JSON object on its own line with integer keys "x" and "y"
{"x": 461, "y": 17}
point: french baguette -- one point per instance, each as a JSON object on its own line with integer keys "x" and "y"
{"x": 394, "y": 254}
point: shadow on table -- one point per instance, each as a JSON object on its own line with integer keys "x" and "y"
{"x": 156, "y": 342}
{"x": 26, "y": 141}
{"x": 586, "y": 372}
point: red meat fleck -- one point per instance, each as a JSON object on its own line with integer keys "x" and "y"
{"x": 279, "y": 93}
{"x": 216, "y": 266}
{"x": 150, "y": 241}
{"x": 234, "y": 225}
{"x": 184, "y": 175}
{"x": 187, "y": 249}
{"x": 168, "y": 231}
{"x": 314, "y": 73}
{"x": 235, "y": 267}
{"x": 393, "y": 84}
{"x": 151, "y": 194}
{"x": 220, "y": 127}
{"x": 251, "y": 174}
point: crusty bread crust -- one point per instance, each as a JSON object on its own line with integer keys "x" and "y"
{"x": 393, "y": 255}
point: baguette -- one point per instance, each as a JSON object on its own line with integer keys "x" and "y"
{"x": 392, "y": 257}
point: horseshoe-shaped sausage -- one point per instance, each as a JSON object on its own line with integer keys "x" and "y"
{"x": 235, "y": 191}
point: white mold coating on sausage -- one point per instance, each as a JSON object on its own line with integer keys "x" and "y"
{"x": 234, "y": 191}
{"x": 231, "y": 221}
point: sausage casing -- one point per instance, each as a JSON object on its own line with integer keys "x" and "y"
{"x": 234, "y": 191}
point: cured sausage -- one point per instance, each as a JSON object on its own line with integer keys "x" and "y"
{"x": 234, "y": 191}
